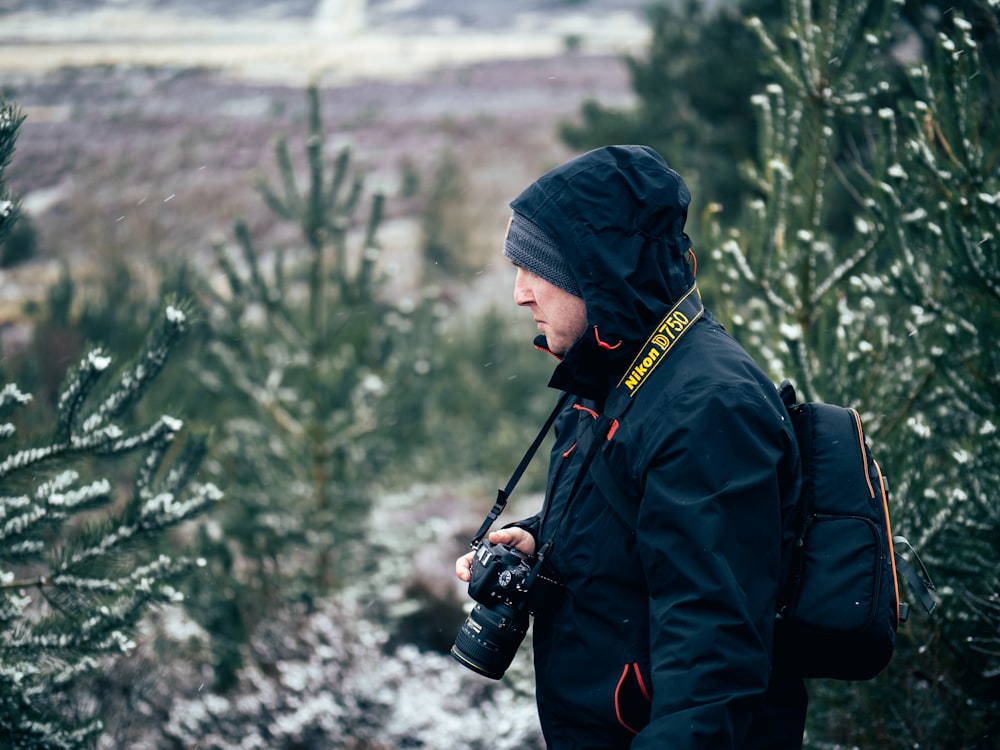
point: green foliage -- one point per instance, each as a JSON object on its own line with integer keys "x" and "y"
{"x": 485, "y": 402}
{"x": 116, "y": 311}
{"x": 78, "y": 566}
{"x": 692, "y": 98}
{"x": 790, "y": 274}
{"x": 78, "y": 569}
{"x": 19, "y": 244}
{"x": 312, "y": 380}
{"x": 896, "y": 316}
{"x": 10, "y": 120}
{"x": 446, "y": 224}
{"x": 941, "y": 202}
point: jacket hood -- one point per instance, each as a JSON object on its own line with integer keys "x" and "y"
{"x": 617, "y": 214}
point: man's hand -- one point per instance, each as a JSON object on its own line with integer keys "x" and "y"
{"x": 513, "y": 536}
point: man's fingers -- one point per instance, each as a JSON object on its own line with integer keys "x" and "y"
{"x": 516, "y": 537}
{"x": 462, "y": 567}
{"x": 513, "y": 536}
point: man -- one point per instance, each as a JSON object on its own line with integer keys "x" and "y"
{"x": 661, "y": 634}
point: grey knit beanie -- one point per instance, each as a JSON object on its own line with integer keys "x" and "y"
{"x": 531, "y": 248}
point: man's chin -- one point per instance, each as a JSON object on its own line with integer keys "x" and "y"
{"x": 542, "y": 344}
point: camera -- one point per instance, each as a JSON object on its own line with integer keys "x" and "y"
{"x": 493, "y": 631}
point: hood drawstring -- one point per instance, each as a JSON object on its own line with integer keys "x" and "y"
{"x": 603, "y": 344}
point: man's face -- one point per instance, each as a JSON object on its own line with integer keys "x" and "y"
{"x": 561, "y": 316}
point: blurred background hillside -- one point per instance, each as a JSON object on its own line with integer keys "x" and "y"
{"x": 147, "y": 122}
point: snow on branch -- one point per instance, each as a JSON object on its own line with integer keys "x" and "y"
{"x": 82, "y": 587}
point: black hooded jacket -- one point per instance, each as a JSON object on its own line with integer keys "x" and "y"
{"x": 661, "y": 637}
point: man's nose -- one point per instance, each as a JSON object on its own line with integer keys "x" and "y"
{"x": 522, "y": 289}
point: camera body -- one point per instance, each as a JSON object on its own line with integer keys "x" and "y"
{"x": 498, "y": 574}
{"x": 491, "y": 634}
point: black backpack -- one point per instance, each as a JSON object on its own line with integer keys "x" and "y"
{"x": 839, "y": 610}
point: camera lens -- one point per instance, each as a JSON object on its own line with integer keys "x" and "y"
{"x": 489, "y": 638}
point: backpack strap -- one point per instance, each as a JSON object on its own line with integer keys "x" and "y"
{"x": 920, "y": 583}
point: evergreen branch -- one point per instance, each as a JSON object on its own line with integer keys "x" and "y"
{"x": 78, "y": 386}
{"x": 100, "y": 631}
{"x": 96, "y": 439}
{"x": 278, "y": 270}
{"x": 70, "y": 672}
{"x": 774, "y": 55}
{"x": 371, "y": 250}
{"x": 62, "y": 504}
{"x": 838, "y": 274}
{"x": 183, "y": 468}
{"x": 59, "y": 483}
{"x": 759, "y": 283}
{"x": 156, "y": 514}
{"x": 339, "y": 225}
{"x": 232, "y": 278}
{"x": 350, "y": 203}
{"x": 142, "y": 577}
{"x": 802, "y": 32}
{"x": 906, "y": 406}
{"x": 133, "y": 382}
{"x": 314, "y": 221}
{"x": 28, "y": 457}
{"x": 24, "y": 550}
{"x": 241, "y": 381}
{"x": 249, "y": 255}
{"x": 11, "y": 397}
{"x": 341, "y": 167}
{"x": 21, "y": 524}
{"x": 292, "y": 204}
{"x": 153, "y": 459}
{"x": 271, "y": 199}
{"x": 23, "y": 725}
{"x": 8, "y": 504}
{"x": 165, "y": 510}
{"x": 242, "y": 298}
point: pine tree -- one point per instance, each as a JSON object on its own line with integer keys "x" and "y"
{"x": 80, "y": 568}
{"x": 310, "y": 368}
{"x": 941, "y": 202}
{"x": 788, "y": 272}
{"x": 895, "y": 317}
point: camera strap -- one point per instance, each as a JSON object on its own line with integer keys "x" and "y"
{"x": 503, "y": 494}
{"x": 678, "y": 321}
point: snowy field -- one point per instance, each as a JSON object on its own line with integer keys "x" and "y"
{"x": 336, "y": 41}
